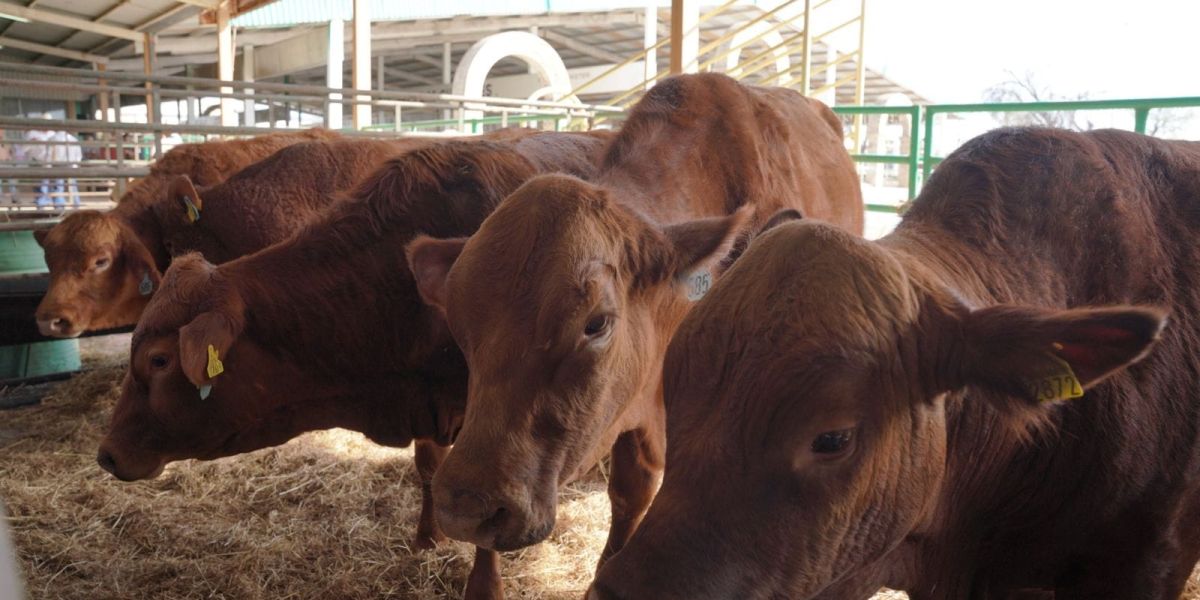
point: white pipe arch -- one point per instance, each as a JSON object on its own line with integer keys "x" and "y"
{"x": 472, "y": 71}
{"x": 772, "y": 39}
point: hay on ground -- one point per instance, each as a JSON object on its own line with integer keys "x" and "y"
{"x": 328, "y": 515}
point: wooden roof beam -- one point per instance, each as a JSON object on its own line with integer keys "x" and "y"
{"x": 70, "y": 21}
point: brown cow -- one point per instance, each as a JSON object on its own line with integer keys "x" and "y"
{"x": 104, "y": 266}
{"x": 845, "y": 414}
{"x": 325, "y": 329}
{"x": 564, "y": 301}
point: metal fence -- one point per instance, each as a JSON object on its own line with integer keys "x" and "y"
{"x": 920, "y": 160}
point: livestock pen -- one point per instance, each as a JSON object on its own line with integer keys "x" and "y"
{"x": 331, "y": 514}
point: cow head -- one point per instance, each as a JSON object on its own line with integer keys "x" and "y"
{"x": 101, "y": 274}
{"x": 562, "y": 304}
{"x": 191, "y": 387}
{"x": 806, "y": 415}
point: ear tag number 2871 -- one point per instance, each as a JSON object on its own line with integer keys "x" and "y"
{"x": 1058, "y": 385}
{"x": 213, "y": 368}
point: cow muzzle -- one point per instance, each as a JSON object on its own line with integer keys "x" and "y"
{"x": 494, "y": 521}
{"x": 127, "y": 470}
{"x": 58, "y": 326}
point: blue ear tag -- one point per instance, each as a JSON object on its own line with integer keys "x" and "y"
{"x": 698, "y": 285}
{"x": 205, "y": 390}
{"x": 193, "y": 213}
{"x": 146, "y": 286}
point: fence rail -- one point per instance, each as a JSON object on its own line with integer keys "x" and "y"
{"x": 920, "y": 160}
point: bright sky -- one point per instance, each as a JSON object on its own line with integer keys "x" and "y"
{"x": 952, "y": 50}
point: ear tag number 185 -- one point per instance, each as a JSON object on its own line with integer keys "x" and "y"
{"x": 698, "y": 285}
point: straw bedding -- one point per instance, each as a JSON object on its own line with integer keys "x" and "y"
{"x": 328, "y": 515}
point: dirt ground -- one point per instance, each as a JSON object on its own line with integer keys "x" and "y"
{"x": 328, "y": 515}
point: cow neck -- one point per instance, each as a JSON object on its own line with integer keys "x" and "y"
{"x": 337, "y": 297}
{"x": 138, "y": 217}
{"x": 1004, "y": 261}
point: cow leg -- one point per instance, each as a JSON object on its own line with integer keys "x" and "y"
{"x": 428, "y": 457}
{"x": 636, "y": 466}
{"x": 484, "y": 581}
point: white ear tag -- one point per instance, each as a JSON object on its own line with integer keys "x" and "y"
{"x": 205, "y": 390}
{"x": 146, "y": 286}
{"x": 698, "y": 285}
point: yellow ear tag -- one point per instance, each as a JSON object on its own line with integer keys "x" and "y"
{"x": 193, "y": 213}
{"x": 214, "y": 367}
{"x": 1060, "y": 384}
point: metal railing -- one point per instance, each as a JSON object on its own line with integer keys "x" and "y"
{"x": 1141, "y": 108}
{"x": 920, "y": 160}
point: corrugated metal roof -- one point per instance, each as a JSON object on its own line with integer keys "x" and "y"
{"x": 286, "y": 13}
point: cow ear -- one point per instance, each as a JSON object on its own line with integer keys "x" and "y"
{"x": 184, "y": 195}
{"x": 430, "y": 260}
{"x": 1037, "y": 355}
{"x": 39, "y": 236}
{"x": 140, "y": 263}
{"x": 204, "y": 344}
{"x": 699, "y": 244}
{"x": 779, "y": 218}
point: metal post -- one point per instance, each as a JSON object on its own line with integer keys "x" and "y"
{"x": 860, "y": 88}
{"x": 361, "y": 62}
{"x": 248, "y": 116}
{"x": 148, "y": 40}
{"x": 447, "y": 55}
{"x": 649, "y": 40}
{"x": 806, "y": 51}
{"x": 914, "y": 161}
{"x": 333, "y": 73}
{"x": 927, "y": 156}
{"x": 685, "y": 35}
{"x": 225, "y": 61}
{"x": 1140, "y": 117}
{"x": 102, "y": 95}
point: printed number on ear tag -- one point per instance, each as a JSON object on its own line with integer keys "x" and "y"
{"x": 146, "y": 286}
{"x": 1059, "y": 385}
{"x": 698, "y": 285}
{"x": 193, "y": 213}
{"x": 214, "y": 367}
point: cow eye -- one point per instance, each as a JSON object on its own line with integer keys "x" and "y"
{"x": 102, "y": 263}
{"x": 597, "y": 325}
{"x": 833, "y": 442}
{"x": 158, "y": 361}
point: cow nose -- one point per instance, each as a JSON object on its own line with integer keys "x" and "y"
{"x": 470, "y": 516}
{"x": 60, "y": 325}
{"x": 107, "y": 462}
{"x": 54, "y": 326}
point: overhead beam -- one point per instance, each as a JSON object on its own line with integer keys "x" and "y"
{"x": 52, "y": 50}
{"x": 398, "y": 74}
{"x": 199, "y": 44}
{"x": 581, "y": 47}
{"x": 236, "y": 8}
{"x": 209, "y": 4}
{"x": 458, "y": 25}
{"x": 61, "y": 19}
